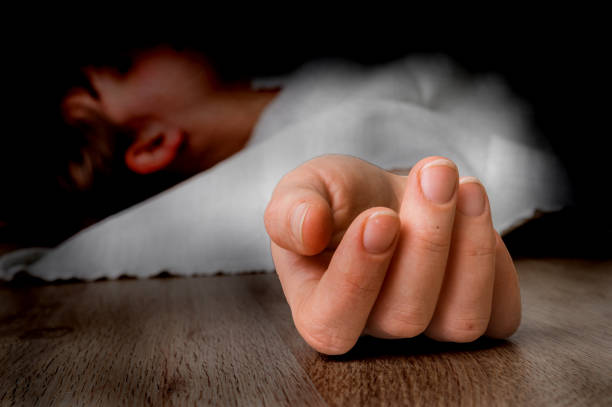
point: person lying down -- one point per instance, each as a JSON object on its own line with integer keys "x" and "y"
{"x": 377, "y": 194}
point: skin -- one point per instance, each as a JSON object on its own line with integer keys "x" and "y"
{"x": 359, "y": 250}
{"x": 171, "y": 103}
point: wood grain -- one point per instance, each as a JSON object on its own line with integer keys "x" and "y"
{"x": 230, "y": 340}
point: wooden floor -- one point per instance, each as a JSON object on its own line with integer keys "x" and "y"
{"x": 229, "y": 340}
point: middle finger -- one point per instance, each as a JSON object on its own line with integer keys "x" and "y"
{"x": 409, "y": 295}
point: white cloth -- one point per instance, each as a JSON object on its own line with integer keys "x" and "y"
{"x": 392, "y": 116}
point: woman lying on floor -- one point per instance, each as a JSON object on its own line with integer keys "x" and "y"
{"x": 312, "y": 159}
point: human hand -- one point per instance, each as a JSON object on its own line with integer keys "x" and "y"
{"x": 360, "y": 250}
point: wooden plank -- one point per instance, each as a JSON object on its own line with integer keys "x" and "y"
{"x": 178, "y": 341}
{"x": 230, "y": 340}
{"x": 561, "y": 354}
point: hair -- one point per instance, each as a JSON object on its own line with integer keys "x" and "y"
{"x": 93, "y": 151}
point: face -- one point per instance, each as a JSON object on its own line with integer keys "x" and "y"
{"x": 166, "y": 101}
{"x": 160, "y": 84}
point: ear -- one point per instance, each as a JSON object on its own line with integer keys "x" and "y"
{"x": 151, "y": 154}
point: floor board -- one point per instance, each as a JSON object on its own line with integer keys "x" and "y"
{"x": 229, "y": 340}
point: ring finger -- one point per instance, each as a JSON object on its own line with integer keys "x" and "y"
{"x": 464, "y": 306}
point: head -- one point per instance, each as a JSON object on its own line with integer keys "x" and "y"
{"x": 116, "y": 122}
{"x": 164, "y": 111}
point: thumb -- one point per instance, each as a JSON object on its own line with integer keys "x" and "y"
{"x": 299, "y": 218}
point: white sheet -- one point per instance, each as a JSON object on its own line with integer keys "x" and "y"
{"x": 392, "y": 116}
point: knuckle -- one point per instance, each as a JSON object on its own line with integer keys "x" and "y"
{"x": 398, "y": 323}
{"x": 271, "y": 221}
{"x": 269, "y": 216}
{"x": 462, "y": 330}
{"x": 479, "y": 251}
{"x": 479, "y": 247}
{"x": 324, "y": 339}
{"x": 287, "y": 178}
{"x": 501, "y": 331}
{"x": 356, "y": 285}
{"x": 432, "y": 241}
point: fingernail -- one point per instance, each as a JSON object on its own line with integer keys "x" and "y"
{"x": 471, "y": 200}
{"x": 297, "y": 220}
{"x": 380, "y": 231}
{"x": 439, "y": 180}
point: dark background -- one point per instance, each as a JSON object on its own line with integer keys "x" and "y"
{"x": 555, "y": 62}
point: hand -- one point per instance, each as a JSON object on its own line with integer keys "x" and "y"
{"x": 360, "y": 250}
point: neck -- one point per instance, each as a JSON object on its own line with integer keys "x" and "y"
{"x": 245, "y": 110}
{"x": 228, "y": 120}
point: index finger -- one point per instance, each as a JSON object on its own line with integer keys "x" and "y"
{"x": 330, "y": 304}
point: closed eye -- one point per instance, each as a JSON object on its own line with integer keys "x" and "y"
{"x": 82, "y": 81}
